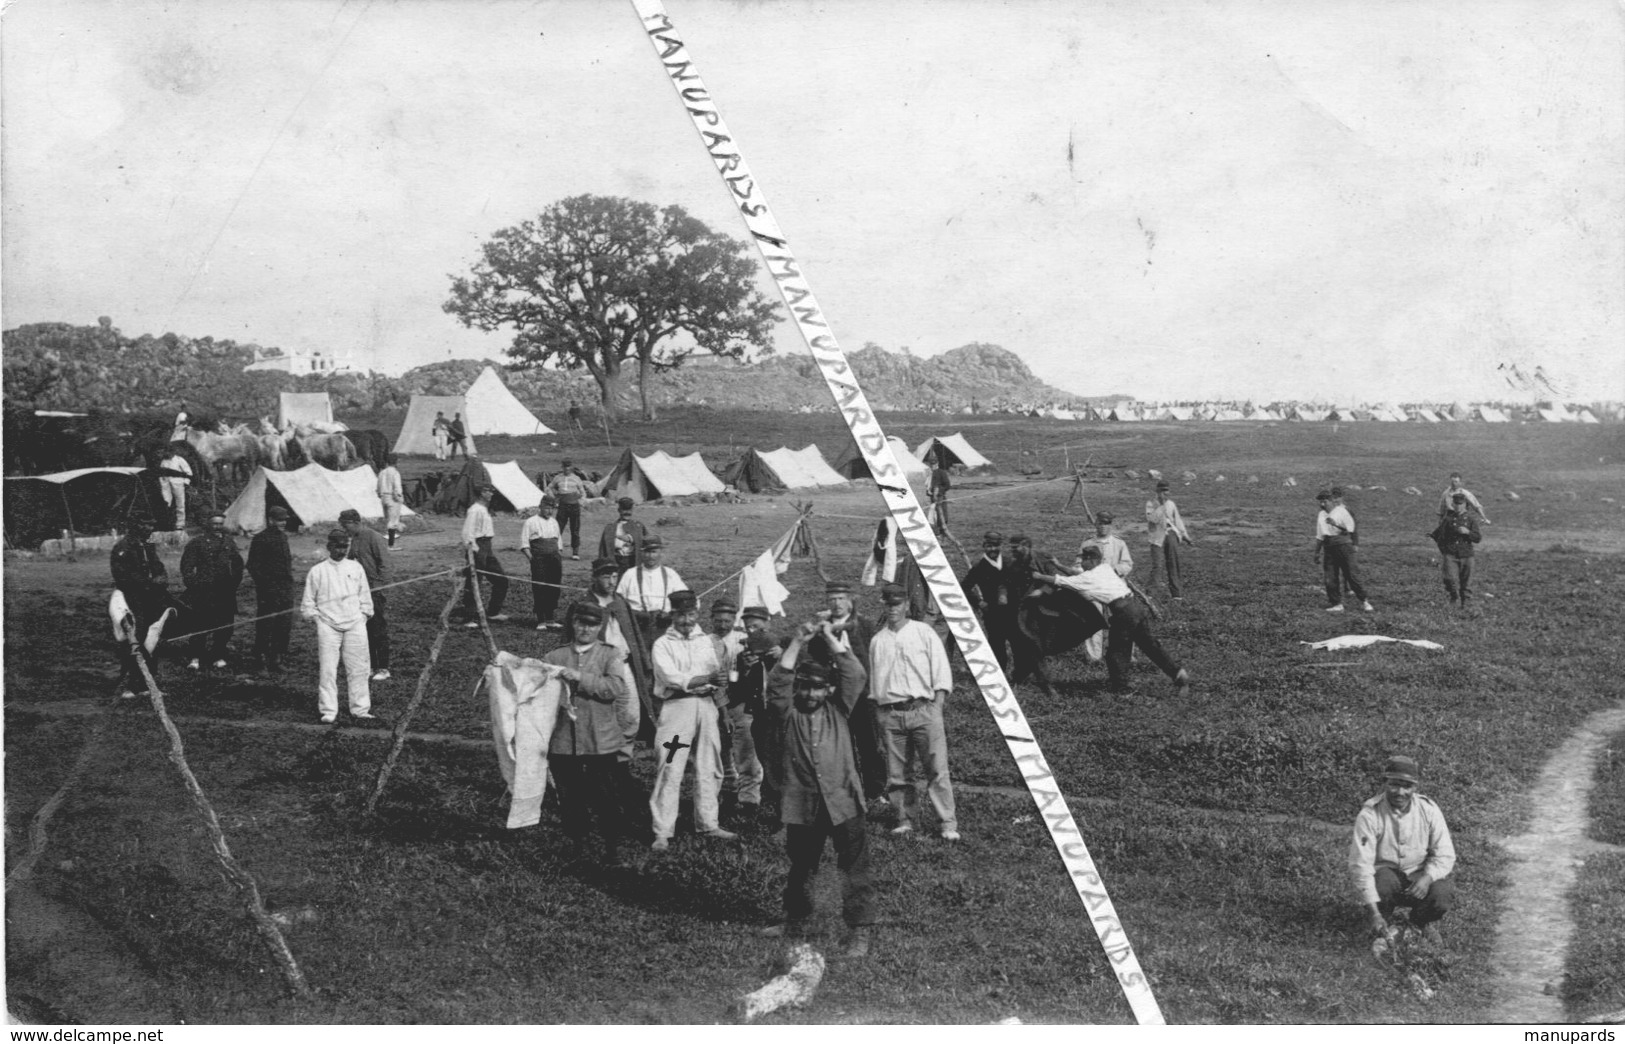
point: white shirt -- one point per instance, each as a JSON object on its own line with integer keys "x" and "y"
{"x": 1327, "y": 523}
{"x": 176, "y": 462}
{"x": 1113, "y": 552}
{"x": 679, "y": 660}
{"x": 537, "y": 528}
{"x": 1160, "y": 518}
{"x": 649, "y": 590}
{"x": 908, "y": 663}
{"x": 389, "y": 486}
{"x": 477, "y": 523}
{"x": 336, "y": 594}
{"x": 1100, "y": 584}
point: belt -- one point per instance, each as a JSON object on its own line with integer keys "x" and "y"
{"x": 904, "y": 704}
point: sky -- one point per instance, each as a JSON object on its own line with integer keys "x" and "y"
{"x": 1375, "y": 200}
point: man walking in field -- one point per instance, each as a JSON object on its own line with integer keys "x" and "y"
{"x": 1401, "y": 854}
{"x": 338, "y": 599}
{"x": 690, "y": 681}
{"x": 910, "y": 681}
{"x": 1167, "y": 532}
{"x": 1455, "y": 536}
{"x": 1130, "y": 623}
{"x": 821, "y": 797}
{"x": 1335, "y": 545}
{"x": 270, "y": 563}
{"x": 368, "y": 548}
{"x": 212, "y": 570}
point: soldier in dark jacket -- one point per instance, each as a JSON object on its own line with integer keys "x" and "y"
{"x": 984, "y": 586}
{"x": 1455, "y": 535}
{"x": 141, "y": 575}
{"x": 817, "y": 778}
{"x": 270, "y": 563}
{"x": 212, "y": 570}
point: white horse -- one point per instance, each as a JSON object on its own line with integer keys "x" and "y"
{"x": 239, "y": 452}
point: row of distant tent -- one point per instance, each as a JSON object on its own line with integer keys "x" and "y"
{"x": 1457, "y": 412}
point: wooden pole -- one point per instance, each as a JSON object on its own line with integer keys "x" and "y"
{"x": 479, "y": 602}
{"x": 239, "y": 877}
{"x": 398, "y": 740}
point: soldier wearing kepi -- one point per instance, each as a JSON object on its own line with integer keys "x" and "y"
{"x": 622, "y": 539}
{"x": 270, "y": 563}
{"x": 568, "y": 487}
{"x": 814, "y": 771}
{"x": 1455, "y": 536}
{"x": 1401, "y": 853}
{"x": 539, "y": 542}
{"x": 984, "y": 586}
{"x": 691, "y": 683}
{"x": 864, "y": 724}
{"x": 1167, "y": 531}
{"x": 212, "y": 570}
{"x": 368, "y": 548}
{"x": 1336, "y": 542}
{"x": 1115, "y": 553}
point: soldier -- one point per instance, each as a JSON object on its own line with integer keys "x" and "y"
{"x": 212, "y": 570}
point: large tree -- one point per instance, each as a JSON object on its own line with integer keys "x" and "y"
{"x": 600, "y": 281}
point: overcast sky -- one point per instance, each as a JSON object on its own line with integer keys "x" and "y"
{"x": 1361, "y": 200}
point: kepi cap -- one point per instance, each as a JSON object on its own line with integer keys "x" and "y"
{"x": 601, "y": 566}
{"x": 813, "y": 672}
{"x": 1106, "y": 517}
{"x": 684, "y": 602}
{"x": 590, "y": 612}
{"x": 337, "y": 538}
{"x": 724, "y": 605}
{"x": 893, "y": 594}
{"x": 349, "y": 515}
{"x": 277, "y": 514}
{"x": 992, "y": 536}
{"x": 653, "y": 543}
{"x": 756, "y": 612}
{"x": 625, "y": 503}
{"x": 1402, "y": 768}
{"x": 1163, "y": 484}
{"x": 838, "y": 587}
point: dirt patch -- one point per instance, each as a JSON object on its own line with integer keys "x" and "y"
{"x": 1532, "y": 938}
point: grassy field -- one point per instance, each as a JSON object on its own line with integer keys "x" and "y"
{"x": 1220, "y": 822}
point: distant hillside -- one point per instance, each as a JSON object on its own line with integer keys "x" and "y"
{"x": 66, "y": 367}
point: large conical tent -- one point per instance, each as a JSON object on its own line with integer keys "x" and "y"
{"x": 312, "y": 493}
{"x": 493, "y": 410}
{"x": 304, "y": 408}
{"x": 779, "y": 469}
{"x": 417, "y": 432}
{"x": 659, "y": 475}
{"x": 958, "y": 451}
{"x": 850, "y": 464}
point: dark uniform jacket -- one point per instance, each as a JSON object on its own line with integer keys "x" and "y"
{"x": 1452, "y": 543}
{"x": 136, "y": 567}
{"x": 813, "y": 758}
{"x": 270, "y": 562}
{"x": 212, "y": 562}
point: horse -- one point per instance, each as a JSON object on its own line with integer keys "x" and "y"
{"x": 241, "y": 453}
{"x": 271, "y": 451}
{"x": 330, "y": 451}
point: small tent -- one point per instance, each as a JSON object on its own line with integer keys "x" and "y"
{"x": 312, "y": 493}
{"x": 1490, "y": 415}
{"x": 1457, "y": 411}
{"x": 87, "y": 502}
{"x": 851, "y": 464}
{"x": 304, "y": 408}
{"x": 659, "y": 475}
{"x": 1553, "y": 416}
{"x": 1585, "y": 416}
{"x": 1424, "y": 415}
{"x": 417, "y": 431}
{"x": 511, "y": 483}
{"x": 955, "y": 448}
{"x": 493, "y": 409}
{"x": 1228, "y": 415}
{"x": 779, "y": 469}
{"x": 1176, "y": 413}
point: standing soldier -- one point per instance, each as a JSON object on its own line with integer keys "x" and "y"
{"x": 937, "y": 492}
{"x": 910, "y": 680}
{"x": 539, "y": 543}
{"x": 622, "y": 540}
{"x": 1455, "y": 535}
{"x": 212, "y": 570}
{"x": 441, "y": 436}
{"x": 368, "y": 548}
{"x": 175, "y": 475}
{"x": 141, "y": 575}
{"x": 1167, "y": 532}
{"x": 270, "y": 563}
{"x": 456, "y": 436}
{"x": 984, "y": 587}
{"x": 393, "y": 496}
{"x": 568, "y": 487}
{"x": 690, "y": 682}
{"x": 478, "y": 533}
{"x": 586, "y": 744}
{"x": 1335, "y": 544}
{"x": 338, "y": 600}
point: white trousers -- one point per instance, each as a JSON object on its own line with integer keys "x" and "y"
{"x": 332, "y": 645}
{"x": 440, "y": 444}
{"x": 686, "y": 724}
{"x": 174, "y": 491}
{"x": 392, "y": 514}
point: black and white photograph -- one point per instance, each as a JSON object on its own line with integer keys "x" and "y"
{"x": 765, "y": 513}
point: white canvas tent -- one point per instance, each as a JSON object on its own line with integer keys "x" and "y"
{"x": 852, "y": 465}
{"x": 1176, "y": 413}
{"x": 1422, "y": 413}
{"x": 959, "y": 451}
{"x": 417, "y": 431}
{"x": 304, "y": 408}
{"x": 509, "y": 480}
{"x": 1585, "y": 416}
{"x": 314, "y": 494}
{"x": 1554, "y": 416}
{"x": 493, "y": 410}
{"x": 1490, "y": 415}
{"x": 660, "y": 475}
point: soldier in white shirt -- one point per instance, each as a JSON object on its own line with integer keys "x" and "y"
{"x": 539, "y": 539}
{"x": 338, "y": 599}
{"x": 1130, "y": 623}
{"x": 909, "y": 681}
{"x": 393, "y": 496}
{"x": 691, "y": 684}
{"x": 1447, "y": 498}
{"x": 1167, "y": 532}
{"x": 478, "y": 533}
{"x": 1401, "y": 854}
{"x": 1335, "y": 545}
{"x": 1114, "y": 552}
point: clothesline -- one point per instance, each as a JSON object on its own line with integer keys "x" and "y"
{"x": 295, "y": 609}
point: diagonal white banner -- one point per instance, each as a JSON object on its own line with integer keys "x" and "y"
{"x": 903, "y": 505}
